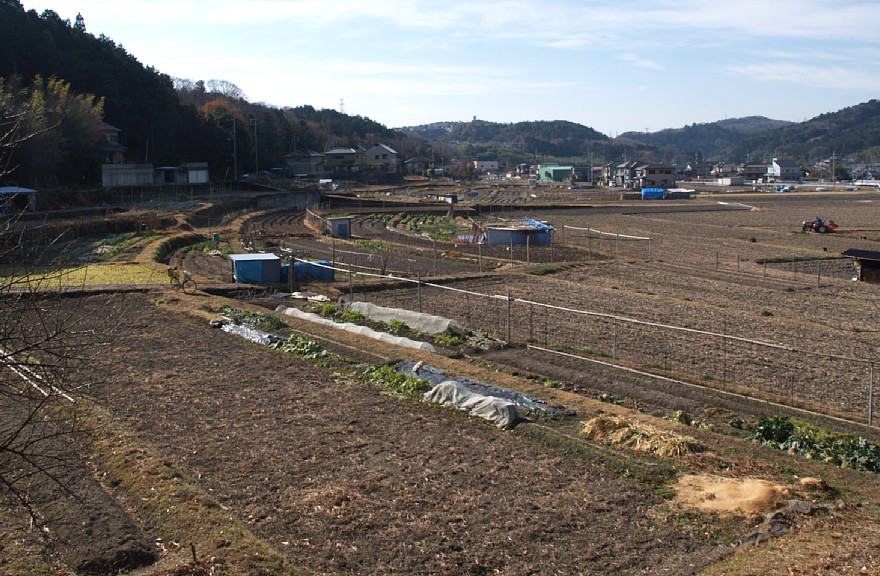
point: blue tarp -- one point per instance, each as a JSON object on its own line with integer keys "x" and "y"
{"x": 652, "y": 194}
{"x": 538, "y": 225}
{"x": 317, "y": 271}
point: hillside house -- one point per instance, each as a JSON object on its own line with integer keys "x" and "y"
{"x": 305, "y": 163}
{"x": 117, "y": 173}
{"x": 381, "y": 158}
{"x": 343, "y": 160}
{"x": 114, "y": 152}
{"x": 189, "y": 173}
{"x": 417, "y": 166}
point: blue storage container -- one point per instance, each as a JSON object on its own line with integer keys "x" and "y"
{"x": 262, "y": 268}
{"x": 317, "y": 271}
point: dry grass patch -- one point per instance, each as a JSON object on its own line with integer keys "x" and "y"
{"x": 88, "y": 275}
{"x": 640, "y": 437}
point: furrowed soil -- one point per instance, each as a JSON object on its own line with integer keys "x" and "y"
{"x": 344, "y": 479}
{"x": 219, "y": 455}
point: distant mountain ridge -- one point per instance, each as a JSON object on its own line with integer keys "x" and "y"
{"x": 852, "y": 132}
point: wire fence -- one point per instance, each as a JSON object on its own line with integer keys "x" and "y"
{"x": 832, "y": 384}
{"x": 608, "y": 242}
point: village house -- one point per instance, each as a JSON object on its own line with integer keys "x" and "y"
{"x": 382, "y": 158}
{"x": 697, "y": 170}
{"x": 783, "y": 171}
{"x": 655, "y": 176}
{"x": 753, "y": 172}
{"x": 343, "y": 160}
{"x": 417, "y": 166}
{"x": 114, "y": 152}
{"x": 484, "y": 166}
{"x": 305, "y": 163}
{"x": 117, "y": 173}
{"x": 621, "y": 174}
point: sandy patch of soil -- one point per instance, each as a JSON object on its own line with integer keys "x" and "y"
{"x": 730, "y": 495}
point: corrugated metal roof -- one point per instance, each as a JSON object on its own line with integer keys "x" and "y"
{"x": 15, "y": 190}
{"x": 863, "y": 254}
{"x": 257, "y": 256}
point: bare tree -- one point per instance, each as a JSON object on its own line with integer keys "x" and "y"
{"x": 43, "y": 335}
{"x": 226, "y": 88}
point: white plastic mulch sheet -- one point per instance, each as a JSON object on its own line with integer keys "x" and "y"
{"x": 502, "y": 406}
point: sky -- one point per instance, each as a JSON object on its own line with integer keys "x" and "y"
{"x": 615, "y": 66}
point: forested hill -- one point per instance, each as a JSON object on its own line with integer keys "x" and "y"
{"x": 137, "y": 99}
{"x": 710, "y": 139}
{"x": 852, "y": 131}
{"x": 558, "y": 138}
{"x": 163, "y": 120}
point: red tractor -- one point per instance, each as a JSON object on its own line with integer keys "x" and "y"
{"x": 819, "y": 225}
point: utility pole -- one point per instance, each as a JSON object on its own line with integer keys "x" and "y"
{"x": 256, "y": 148}
{"x": 833, "y": 174}
{"x": 234, "y": 149}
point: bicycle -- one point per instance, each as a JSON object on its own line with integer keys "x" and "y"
{"x": 185, "y": 283}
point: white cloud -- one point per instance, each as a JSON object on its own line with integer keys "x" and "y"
{"x": 640, "y": 62}
{"x": 809, "y": 75}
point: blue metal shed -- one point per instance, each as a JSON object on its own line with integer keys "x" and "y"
{"x": 653, "y": 194}
{"x": 261, "y": 268}
{"x": 530, "y": 231}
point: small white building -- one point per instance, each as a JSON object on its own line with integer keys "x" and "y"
{"x": 486, "y": 165}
